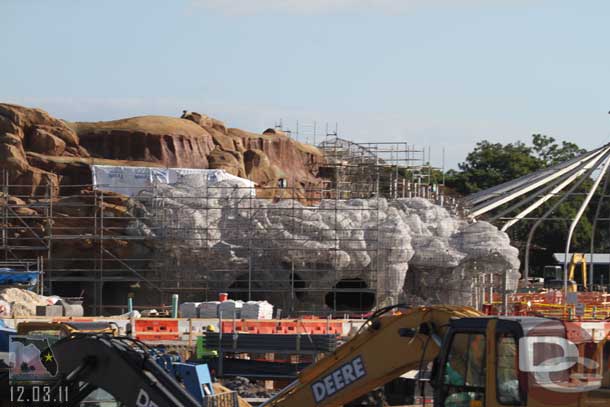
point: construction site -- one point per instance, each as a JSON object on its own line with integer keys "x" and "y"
{"x": 210, "y": 256}
{"x": 332, "y": 248}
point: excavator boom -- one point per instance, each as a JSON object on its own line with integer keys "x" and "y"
{"x": 386, "y": 348}
{"x": 578, "y": 258}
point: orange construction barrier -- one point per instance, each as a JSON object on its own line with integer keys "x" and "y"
{"x": 283, "y": 327}
{"x": 157, "y": 329}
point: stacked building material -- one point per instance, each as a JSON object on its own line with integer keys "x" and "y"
{"x": 270, "y": 343}
{"x": 230, "y": 309}
{"x": 189, "y": 309}
{"x": 208, "y": 309}
{"x": 257, "y": 310}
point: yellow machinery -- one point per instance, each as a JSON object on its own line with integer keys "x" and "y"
{"x": 578, "y": 258}
{"x": 65, "y": 328}
{"x": 553, "y": 275}
{"x": 476, "y": 362}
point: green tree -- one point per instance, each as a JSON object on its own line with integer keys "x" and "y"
{"x": 546, "y": 149}
{"x": 491, "y": 164}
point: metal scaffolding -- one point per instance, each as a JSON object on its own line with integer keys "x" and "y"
{"x": 198, "y": 242}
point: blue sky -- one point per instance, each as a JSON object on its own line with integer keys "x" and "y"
{"x": 445, "y": 73}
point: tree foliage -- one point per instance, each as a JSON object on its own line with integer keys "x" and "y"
{"x": 490, "y": 164}
{"x": 550, "y": 153}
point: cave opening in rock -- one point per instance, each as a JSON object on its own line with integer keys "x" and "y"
{"x": 298, "y": 287}
{"x": 238, "y": 289}
{"x": 350, "y": 294}
{"x": 251, "y": 160}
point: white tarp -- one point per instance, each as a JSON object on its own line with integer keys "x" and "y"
{"x": 131, "y": 181}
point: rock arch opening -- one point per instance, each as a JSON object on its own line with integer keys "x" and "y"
{"x": 298, "y": 287}
{"x": 350, "y": 294}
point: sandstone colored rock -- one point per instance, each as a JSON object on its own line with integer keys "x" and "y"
{"x": 28, "y": 119}
{"x": 37, "y": 147}
{"x": 23, "y": 302}
{"x": 8, "y": 126}
{"x": 299, "y": 160}
{"x": 258, "y": 167}
{"x": 266, "y": 158}
{"x": 64, "y": 133}
{"x": 167, "y": 141}
{"x": 231, "y": 162}
{"x": 42, "y": 141}
{"x": 12, "y": 154}
{"x": 25, "y": 129}
{"x": 35, "y": 182}
{"x": 205, "y": 121}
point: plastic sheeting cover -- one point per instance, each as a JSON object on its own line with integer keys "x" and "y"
{"x": 131, "y": 181}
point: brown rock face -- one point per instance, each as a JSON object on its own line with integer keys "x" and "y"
{"x": 42, "y": 154}
{"x": 42, "y": 141}
{"x": 229, "y": 161}
{"x": 264, "y": 158}
{"x": 23, "y": 129}
{"x": 167, "y": 141}
{"x": 12, "y": 154}
{"x": 38, "y": 149}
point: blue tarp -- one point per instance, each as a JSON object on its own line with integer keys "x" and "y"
{"x": 10, "y": 276}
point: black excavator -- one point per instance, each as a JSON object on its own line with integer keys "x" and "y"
{"x": 125, "y": 368}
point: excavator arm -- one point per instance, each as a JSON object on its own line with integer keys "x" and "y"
{"x": 578, "y": 258}
{"x": 120, "y": 366}
{"x": 385, "y": 348}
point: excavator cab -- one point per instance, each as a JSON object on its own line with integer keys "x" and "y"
{"x": 481, "y": 365}
{"x": 468, "y": 371}
{"x": 553, "y": 279}
{"x": 554, "y": 275}
{"x": 479, "y": 361}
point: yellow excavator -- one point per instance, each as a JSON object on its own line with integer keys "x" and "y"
{"x": 477, "y": 361}
{"x": 576, "y": 259}
{"x": 553, "y": 275}
{"x": 474, "y": 361}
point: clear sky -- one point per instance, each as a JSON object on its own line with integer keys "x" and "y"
{"x": 445, "y": 73}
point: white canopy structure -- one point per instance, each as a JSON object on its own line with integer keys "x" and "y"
{"x": 515, "y": 200}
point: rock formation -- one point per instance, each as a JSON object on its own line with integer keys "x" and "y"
{"x": 39, "y": 150}
{"x": 166, "y": 141}
{"x": 404, "y": 248}
{"x": 24, "y": 131}
{"x": 400, "y": 249}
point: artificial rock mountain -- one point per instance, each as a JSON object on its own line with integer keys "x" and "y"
{"x": 38, "y": 150}
{"x": 43, "y": 156}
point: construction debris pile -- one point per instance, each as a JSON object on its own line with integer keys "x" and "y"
{"x": 221, "y": 233}
{"x": 247, "y": 389}
{"x": 22, "y": 303}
